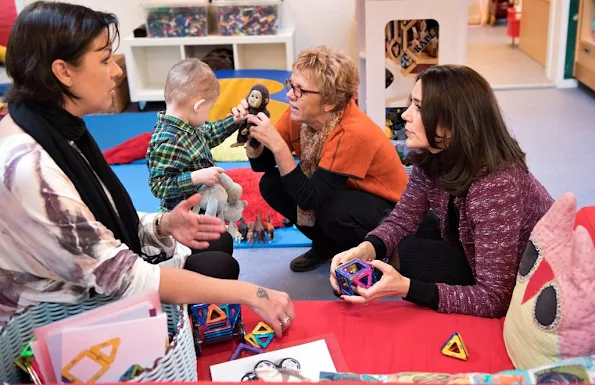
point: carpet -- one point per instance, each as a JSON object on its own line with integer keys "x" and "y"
{"x": 249, "y": 180}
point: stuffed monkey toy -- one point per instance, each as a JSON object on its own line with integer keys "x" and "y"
{"x": 258, "y": 99}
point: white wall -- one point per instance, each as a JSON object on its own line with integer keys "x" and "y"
{"x": 328, "y": 22}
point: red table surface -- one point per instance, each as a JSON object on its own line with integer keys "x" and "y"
{"x": 384, "y": 337}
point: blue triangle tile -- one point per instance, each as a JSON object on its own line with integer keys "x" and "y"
{"x": 233, "y": 314}
{"x": 200, "y": 312}
{"x": 268, "y": 338}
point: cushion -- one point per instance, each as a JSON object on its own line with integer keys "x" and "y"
{"x": 578, "y": 370}
{"x": 7, "y": 18}
{"x": 586, "y": 217}
{"x": 552, "y": 311}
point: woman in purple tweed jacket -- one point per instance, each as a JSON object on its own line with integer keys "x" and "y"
{"x": 462, "y": 255}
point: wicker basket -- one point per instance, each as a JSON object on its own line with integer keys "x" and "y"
{"x": 178, "y": 365}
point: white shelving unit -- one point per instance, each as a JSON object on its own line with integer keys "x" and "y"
{"x": 149, "y": 59}
{"x": 371, "y": 19}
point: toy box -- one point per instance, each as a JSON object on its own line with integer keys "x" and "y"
{"x": 176, "y": 18}
{"x": 247, "y": 17}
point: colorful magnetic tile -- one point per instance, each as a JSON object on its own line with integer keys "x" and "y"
{"x": 264, "y": 339}
{"x": 245, "y": 348}
{"x": 200, "y": 312}
{"x": 455, "y": 347}
{"x": 251, "y": 340}
{"x": 262, "y": 328}
{"x": 215, "y": 315}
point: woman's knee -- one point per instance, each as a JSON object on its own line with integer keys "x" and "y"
{"x": 216, "y": 264}
{"x": 226, "y": 243}
{"x": 269, "y": 185}
{"x": 331, "y": 215}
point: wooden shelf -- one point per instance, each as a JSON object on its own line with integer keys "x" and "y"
{"x": 148, "y": 59}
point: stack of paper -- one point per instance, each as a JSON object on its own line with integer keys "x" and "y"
{"x": 103, "y": 344}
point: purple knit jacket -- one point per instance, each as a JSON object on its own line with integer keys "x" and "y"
{"x": 496, "y": 218}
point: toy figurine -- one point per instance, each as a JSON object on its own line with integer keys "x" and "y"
{"x": 234, "y": 232}
{"x": 250, "y": 234}
{"x": 257, "y": 99}
{"x": 243, "y": 228}
{"x": 259, "y": 229}
{"x": 355, "y": 273}
{"x": 269, "y": 228}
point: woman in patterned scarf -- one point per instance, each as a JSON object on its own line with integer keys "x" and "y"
{"x": 349, "y": 175}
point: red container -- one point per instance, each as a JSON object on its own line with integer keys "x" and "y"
{"x": 513, "y": 22}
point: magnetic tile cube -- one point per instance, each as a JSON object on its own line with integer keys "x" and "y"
{"x": 355, "y": 273}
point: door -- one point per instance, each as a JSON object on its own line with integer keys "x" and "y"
{"x": 535, "y": 22}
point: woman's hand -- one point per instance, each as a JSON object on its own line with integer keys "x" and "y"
{"x": 364, "y": 251}
{"x": 240, "y": 113}
{"x": 265, "y": 132}
{"x": 275, "y": 308}
{"x": 392, "y": 284}
{"x": 189, "y": 228}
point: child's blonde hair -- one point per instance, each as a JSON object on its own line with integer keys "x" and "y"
{"x": 189, "y": 78}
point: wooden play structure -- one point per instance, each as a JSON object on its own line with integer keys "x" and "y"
{"x": 393, "y": 31}
{"x": 413, "y": 44}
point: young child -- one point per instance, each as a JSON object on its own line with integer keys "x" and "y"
{"x": 179, "y": 153}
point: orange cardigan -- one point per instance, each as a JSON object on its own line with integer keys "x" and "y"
{"x": 357, "y": 148}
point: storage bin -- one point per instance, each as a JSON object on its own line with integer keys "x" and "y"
{"x": 247, "y": 17}
{"x": 178, "y": 364}
{"x": 176, "y": 18}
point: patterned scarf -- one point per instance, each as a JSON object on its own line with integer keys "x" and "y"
{"x": 311, "y": 143}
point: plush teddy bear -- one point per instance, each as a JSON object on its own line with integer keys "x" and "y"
{"x": 552, "y": 312}
{"x": 222, "y": 200}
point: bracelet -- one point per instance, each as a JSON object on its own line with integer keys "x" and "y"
{"x": 158, "y": 225}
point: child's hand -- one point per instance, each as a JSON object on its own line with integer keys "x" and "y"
{"x": 208, "y": 176}
{"x": 240, "y": 113}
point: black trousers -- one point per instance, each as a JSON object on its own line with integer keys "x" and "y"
{"x": 215, "y": 261}
{"x": 426, "y": 257}
{"x": 341, "y": 224}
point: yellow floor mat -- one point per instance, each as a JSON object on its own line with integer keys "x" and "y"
{"x": 232, "y": 91}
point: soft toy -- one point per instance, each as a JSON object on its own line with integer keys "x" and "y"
{"x": 222, "y": 200}
{"x": 258, "y": 99}
{"x": 572, "y": 371}
{"x": 552, "y": 312}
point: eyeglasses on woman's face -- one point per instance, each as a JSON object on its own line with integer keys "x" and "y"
{"x": 297, "y": 90}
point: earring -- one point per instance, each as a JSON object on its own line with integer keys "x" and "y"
{"x": 70, "y": 83}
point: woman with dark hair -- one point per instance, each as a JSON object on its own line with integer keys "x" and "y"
{"x": 68, "y": 227}
{"x": 463, "y": 255}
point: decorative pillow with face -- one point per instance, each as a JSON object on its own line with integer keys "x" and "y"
{"x": 552, "y": 312}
